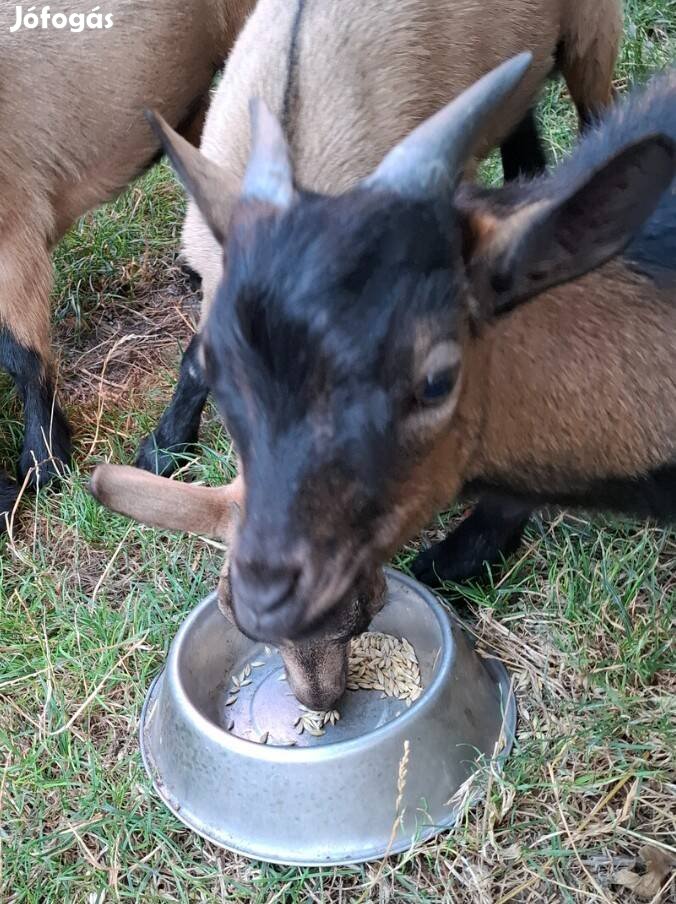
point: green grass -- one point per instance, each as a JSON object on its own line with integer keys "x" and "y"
{"x": 89, "y": 603}
{"x": 110, "y": 248}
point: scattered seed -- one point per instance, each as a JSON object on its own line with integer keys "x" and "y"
{"x": 264, "y": 737}
{"x": 245, "y": 683}
{"x": 315, "y": 732}
{"x": 256, "y": 664}
{"x": 231, "y": 699}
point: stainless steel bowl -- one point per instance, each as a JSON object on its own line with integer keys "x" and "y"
{"x": 351, "y": 795}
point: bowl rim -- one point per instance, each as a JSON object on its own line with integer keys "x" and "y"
{"x": 331, "y": 750}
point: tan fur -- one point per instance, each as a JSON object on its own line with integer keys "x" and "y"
{"x": 591, "y": 38}
{"x": 569, "y": 372}
{"x": 72, "y": 131}
{"x": 25, "y": 280}
{"x": 556, "y": 391}
{"x": 440, "y": 471}
{"x": 168, "y": 504}
{"x": 369, "y": 71}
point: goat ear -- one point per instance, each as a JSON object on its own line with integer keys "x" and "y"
{"x": 165, "y": 503}
{"x": 205, "y": 181}
{"x": 551, "y": 241}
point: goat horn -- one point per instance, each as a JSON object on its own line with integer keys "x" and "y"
{"x": 268, "y": 176}
{"x": 436, "y": 151}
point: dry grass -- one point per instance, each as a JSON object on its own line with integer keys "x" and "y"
{"x": 584, "y": 619}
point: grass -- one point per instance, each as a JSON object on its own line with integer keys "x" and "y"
{"x": 583, "y": 618}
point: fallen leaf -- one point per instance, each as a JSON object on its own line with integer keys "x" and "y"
{"x": 658, "y": 865}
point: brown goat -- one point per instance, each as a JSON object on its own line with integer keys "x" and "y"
{"x": 350, "y": 80}
{"x": 73, "y": 136}
{"x": 373, "y": 357}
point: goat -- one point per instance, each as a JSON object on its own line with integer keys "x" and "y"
{"x": 378, "y": 354}
{"x": 350, "y": 79}
{"x": 73, "y": 136}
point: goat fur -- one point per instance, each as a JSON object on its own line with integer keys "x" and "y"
{"x": 74, "y": 135}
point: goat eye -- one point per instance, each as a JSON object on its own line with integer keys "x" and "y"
{"x": 436, "y": 387}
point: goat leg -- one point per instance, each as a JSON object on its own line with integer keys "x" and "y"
{"x": 489, "y": 534}
{"x": 178, "y": 429}
{"x": 46, "y": 443}
{"x": 522, "y": 152}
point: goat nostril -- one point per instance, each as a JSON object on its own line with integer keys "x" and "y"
{"x": 263, "y": 586}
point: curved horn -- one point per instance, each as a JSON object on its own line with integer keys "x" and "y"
{"x": 268, "y": 174}
{"x": 436, "y": 151}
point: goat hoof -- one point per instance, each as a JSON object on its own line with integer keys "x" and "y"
{"x": 151, "y": 457}
{"x": 192, "y": 277}
{"x": 42, "y": 463}
{"x": 9, "y": 492}
{"x": 40, "y": 472}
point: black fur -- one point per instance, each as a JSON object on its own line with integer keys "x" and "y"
{"x": 178, "y": 429}
{"x": 291, "y": 86}
{"x": 46, "y": 443}
{"x": 488, "y": 535}
{"x": 301, "y": 318}
{"x": 293, "y": 299}
{"x": 9, "y": 492}
{"x": 522, "y": 152}
{"x": 646, "y": 496}
{"x": 493, "y": 531}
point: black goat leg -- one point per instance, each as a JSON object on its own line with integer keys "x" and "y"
{"x": 178, "y": 429}
{"x": 522, "y": 151}
{"x": 46, "y": 442}
{"x": 490, "y": 533}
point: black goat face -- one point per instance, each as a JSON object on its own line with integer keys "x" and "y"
{"x": 333, "y": 351}
{"x": 336, "y": 347}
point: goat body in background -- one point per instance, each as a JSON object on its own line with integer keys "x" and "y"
{"x": 72, "y": 135}
{"x": 351, "y": 79}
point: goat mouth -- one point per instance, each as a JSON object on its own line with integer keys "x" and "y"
{"x": 307, "y": 613}
{"x": 291, "y": 622}
{"x": 274, "y": 625}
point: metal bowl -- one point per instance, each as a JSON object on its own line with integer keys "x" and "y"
{"x": 351, "y": 795}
